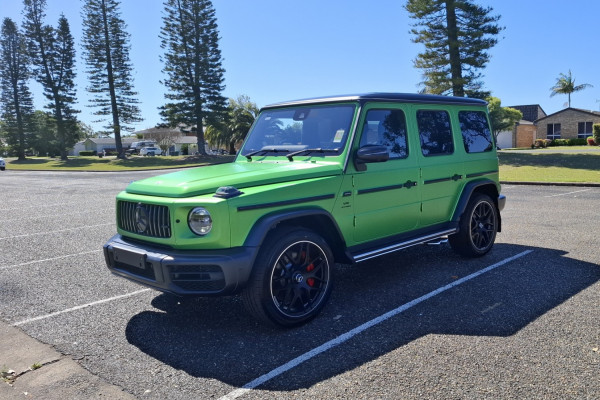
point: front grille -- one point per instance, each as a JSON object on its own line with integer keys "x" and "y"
{"x": 144, "y": 219}
{"x": 197, "y": 278}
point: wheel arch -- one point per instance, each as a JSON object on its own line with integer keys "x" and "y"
{"x": 487, "y": 187}
{"x": 315, "y": 219}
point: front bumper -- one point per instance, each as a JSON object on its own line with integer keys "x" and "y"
{"x": 194, "y": 273}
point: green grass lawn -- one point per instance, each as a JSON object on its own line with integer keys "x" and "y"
{"x": 112, "y": 163}
{"x": 556, "y": 164}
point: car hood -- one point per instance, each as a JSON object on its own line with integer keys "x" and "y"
{"x": 205, "y": 180}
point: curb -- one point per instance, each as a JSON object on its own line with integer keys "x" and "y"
{"x": 36, "y": 370}
{"x": 573, "y": 184}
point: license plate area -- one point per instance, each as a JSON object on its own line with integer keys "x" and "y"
{"x": 131, "y": 258}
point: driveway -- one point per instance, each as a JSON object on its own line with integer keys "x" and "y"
{"x": 521, "y": 322}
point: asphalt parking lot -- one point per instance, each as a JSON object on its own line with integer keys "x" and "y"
{"x": 521, "y": 322}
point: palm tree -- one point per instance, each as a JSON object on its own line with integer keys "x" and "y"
{"x": 565, "y": 84}
{"x": 237, "y": 121}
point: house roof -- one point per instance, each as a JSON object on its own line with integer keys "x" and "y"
{"x": 111, "y": 140}
{"x": 531, "y": 112}
{"x": 186, "y": 140}
{"x": 588, "y": 112}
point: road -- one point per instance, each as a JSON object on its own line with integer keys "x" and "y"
{"x": 521, "y": 322}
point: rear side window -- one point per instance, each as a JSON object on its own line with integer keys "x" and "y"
{"x": 475, "y": 131}
{"x": 435, "y": 132}
{"x": 386, "y": 128}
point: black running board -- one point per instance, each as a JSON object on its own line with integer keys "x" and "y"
{"x": 390, "y": 248}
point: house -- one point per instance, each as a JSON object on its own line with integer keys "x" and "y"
{"x": 524, "y": 132}
{"x": 569, "y": 123}
{"x": 174, "y": 139}
{"x": 100, "y": 144}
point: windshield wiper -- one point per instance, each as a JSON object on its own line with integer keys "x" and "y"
{"x": 264, "y": 151}
{"x": 308, "y": 151}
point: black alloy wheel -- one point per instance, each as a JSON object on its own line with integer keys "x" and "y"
{"x": 291, "y": 279}
{"x": 477, "y": 227}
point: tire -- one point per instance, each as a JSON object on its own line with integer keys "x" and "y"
{"x": 291, "y": 278}
{"x": 477, "y": 227}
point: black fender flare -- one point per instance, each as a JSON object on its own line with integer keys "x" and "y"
{"x": 486, "y": 186}
{"x": 332, "y": 233}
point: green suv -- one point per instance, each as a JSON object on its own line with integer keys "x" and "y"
{"x": 335, "y": 179}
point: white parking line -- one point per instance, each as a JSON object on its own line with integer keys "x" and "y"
{"x": 60, "y": 230}
{"x": 37, "y": 206}
{"x": 49, "y": 259}
{"x": 79, "y": 307}
{"x": 566, "y": 194}
{"x": 58, "y": 216}
{"x": 350, "y": 334}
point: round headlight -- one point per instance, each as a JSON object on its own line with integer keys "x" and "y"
{"x": 200, "y": 221}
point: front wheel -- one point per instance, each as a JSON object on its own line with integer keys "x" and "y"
{"x": 477, "y": 228}
{"x": 291, "y": 278}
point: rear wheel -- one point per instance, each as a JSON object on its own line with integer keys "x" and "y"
{"x": 291, "y": 278}
{"x": 477, "y": 228}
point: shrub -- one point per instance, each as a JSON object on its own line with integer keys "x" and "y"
{"x": 541, "y": 143}
{"x": 591, "y": 141}
{"x": 87, "y": 153}
{"x": 576, "y": 142}
{"x": 558, "y": 142}
{"x": 597, "y": 134}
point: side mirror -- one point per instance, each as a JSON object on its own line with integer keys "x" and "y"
{"x": 370, "y": 154}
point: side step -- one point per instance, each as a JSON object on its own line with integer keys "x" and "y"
{"x": 433, "y": 238}
{"x": 437, "y": 242}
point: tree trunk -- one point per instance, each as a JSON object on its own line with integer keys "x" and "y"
{"x": 111, "y": 87}
{"x": 454, "y": 51}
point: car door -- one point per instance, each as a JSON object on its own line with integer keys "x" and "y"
{"x": 441, "y": 167}
{"x": 386, "y": 194}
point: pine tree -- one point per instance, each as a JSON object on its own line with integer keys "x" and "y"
{"x": 457, "y": 35}
{"x": 16, "y": 101}
{"x": 106, "y": 44}
{"x": 192, "y": 62}
{"x": 53, "y": 56}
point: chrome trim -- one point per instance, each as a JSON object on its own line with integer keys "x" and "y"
{"x": 402, "y": 245}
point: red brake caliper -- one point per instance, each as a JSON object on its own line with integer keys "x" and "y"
{"x": 310, "y": 281}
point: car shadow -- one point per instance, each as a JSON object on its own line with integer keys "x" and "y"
{"x": 214, "y": 337}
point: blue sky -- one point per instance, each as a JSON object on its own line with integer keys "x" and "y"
{"x": 277, "y": 50}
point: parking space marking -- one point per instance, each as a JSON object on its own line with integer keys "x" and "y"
{"x": 60, "y": 230}
{"x": 49, "y": 259}
{"x": 68, "y": 310}
{"x": 58, "y": 215}
{"x": 566, "y": 194}
{"x": 37, "y": 206}
{"x": 350, "y": 334}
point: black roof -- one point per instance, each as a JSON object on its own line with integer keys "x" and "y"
{"x": 531, "y": 112}
{"x": 390, "y": 97}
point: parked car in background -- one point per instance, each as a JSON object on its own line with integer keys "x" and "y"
{"x": 2, "y": 164}
{"x": 150, "y": 151}
{"x": 137, "y": 146}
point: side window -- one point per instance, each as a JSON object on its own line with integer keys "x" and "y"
{"x": 475, "y": 131}
{"x": 387, "y": 128}
{"x": 435, "y": 132}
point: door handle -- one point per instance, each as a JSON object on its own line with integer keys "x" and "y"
{"x": 456, "y": 177}
{"x": 408, "y": 184}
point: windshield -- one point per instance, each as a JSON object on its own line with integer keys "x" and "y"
{"x": 282, "y": 131}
